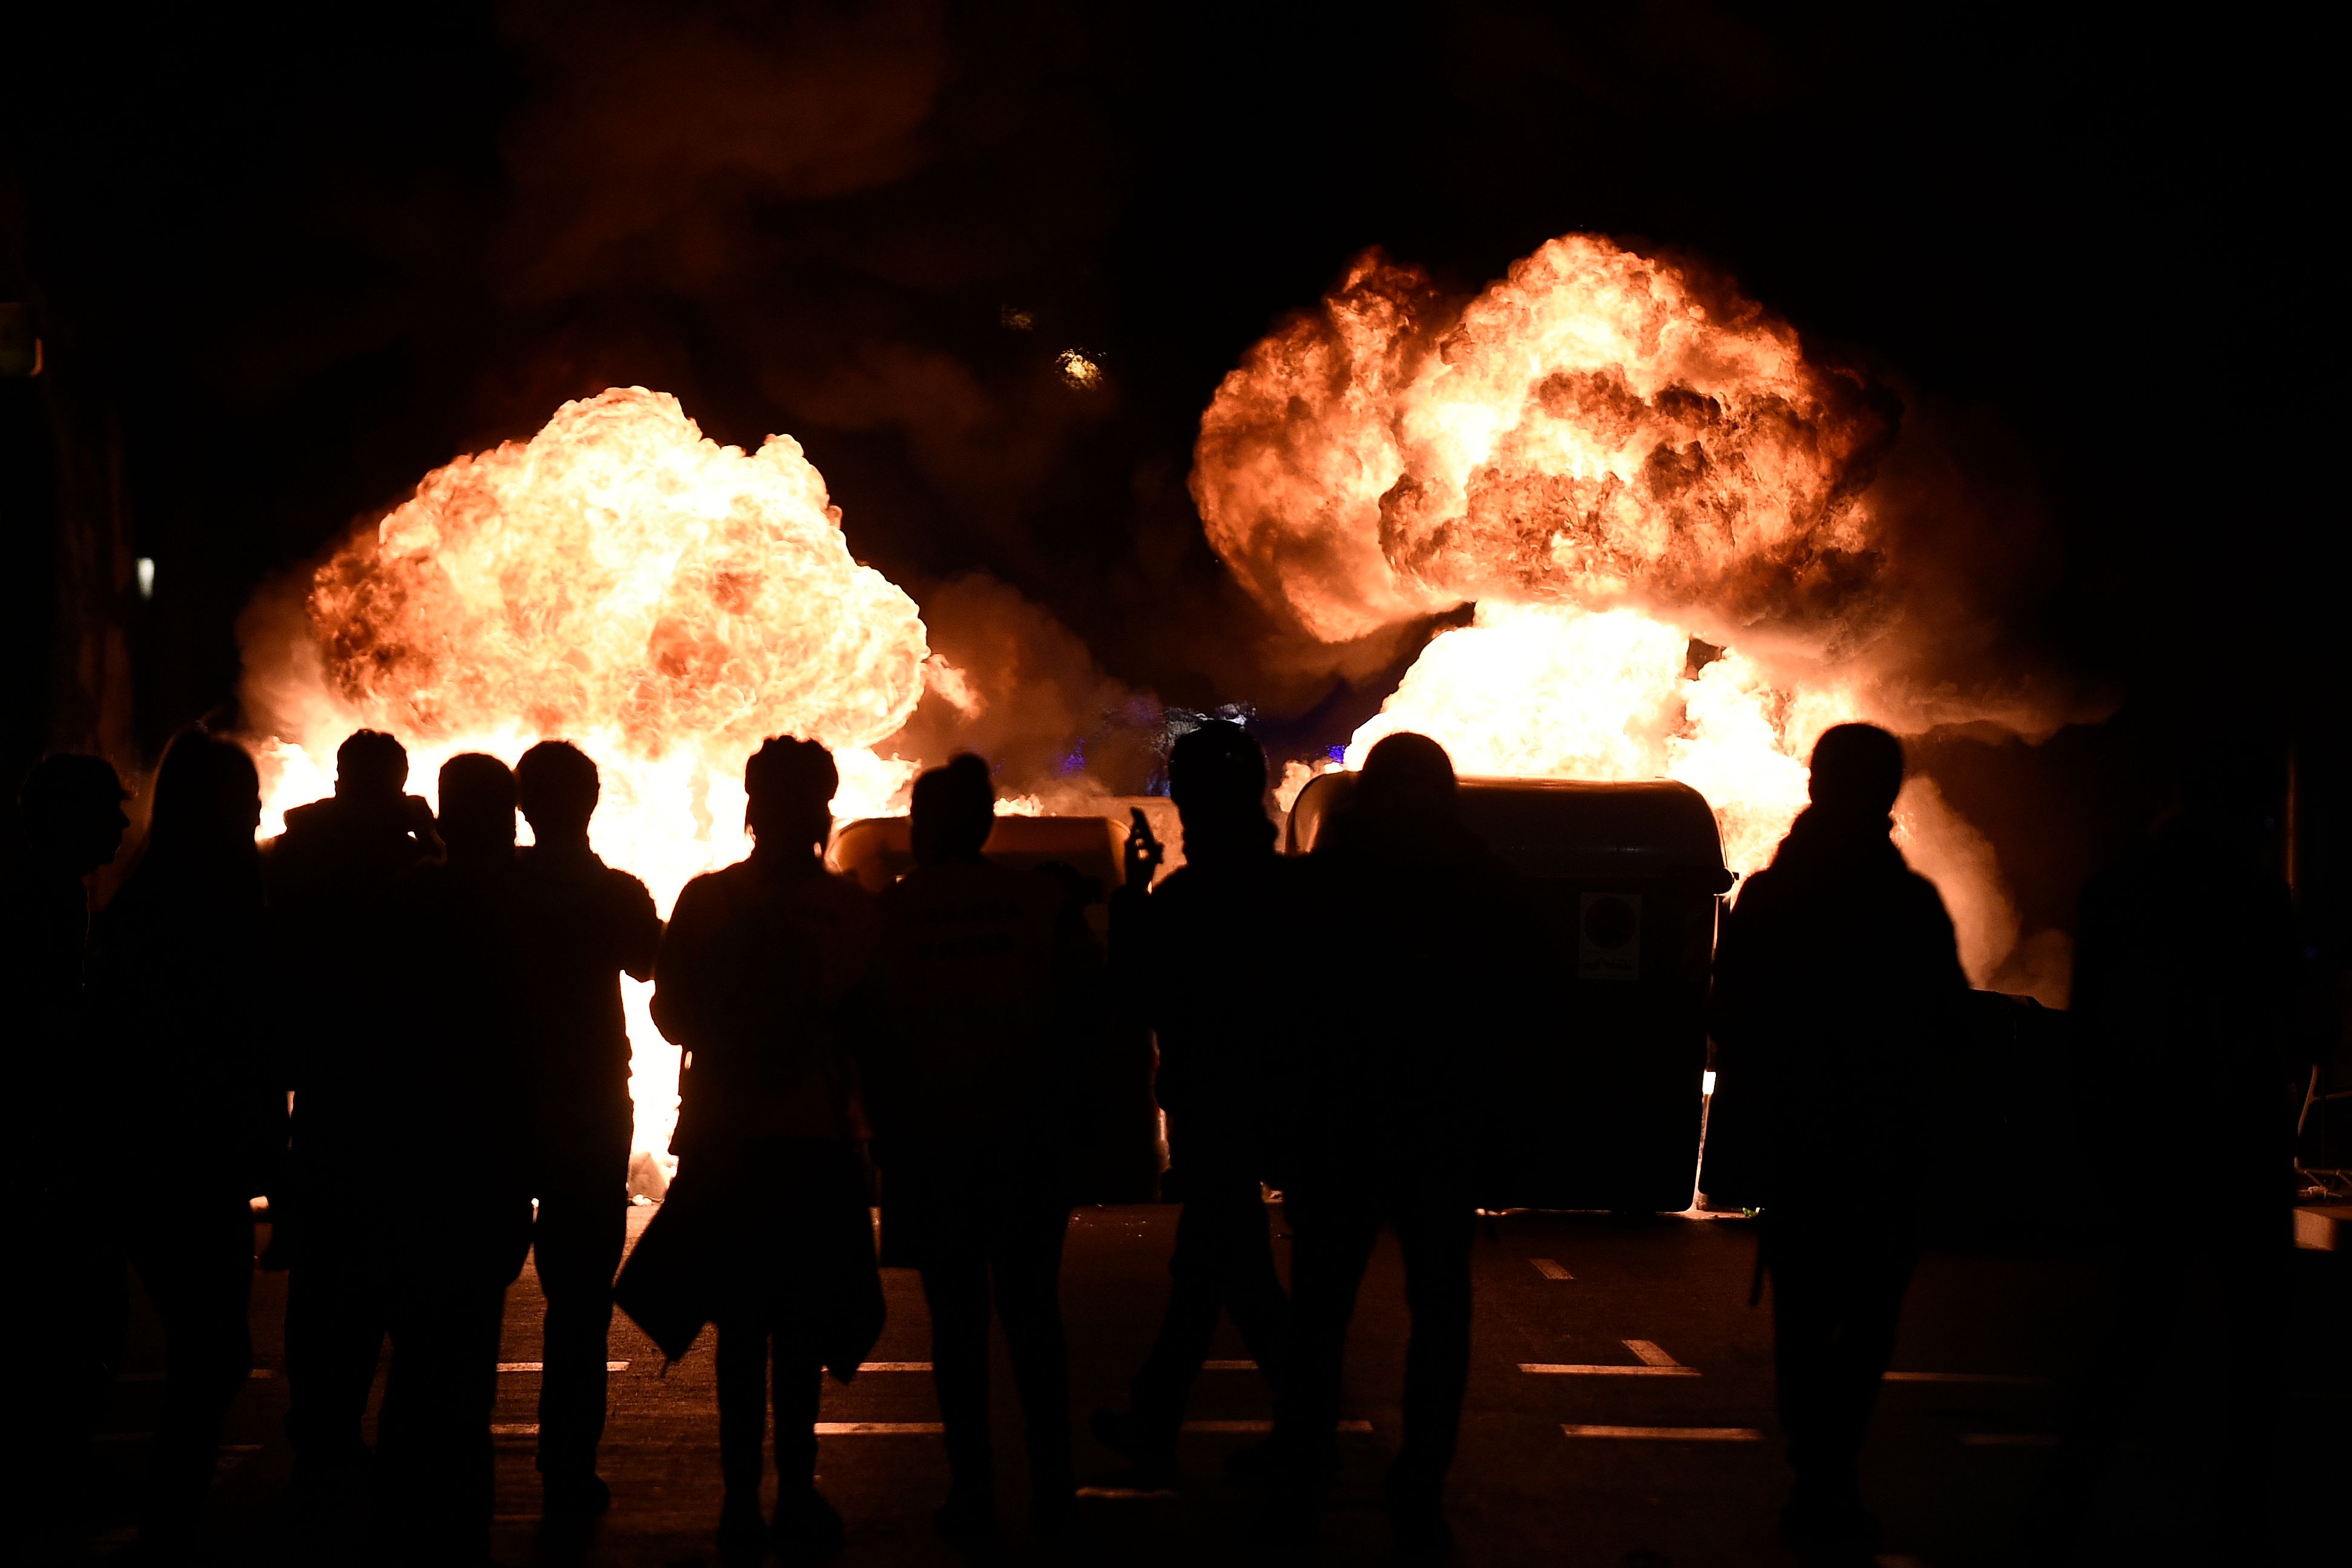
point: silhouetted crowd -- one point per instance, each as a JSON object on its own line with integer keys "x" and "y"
{"x": 389, "y": 1002}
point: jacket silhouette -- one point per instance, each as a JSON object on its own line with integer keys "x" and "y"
{"x": 1423, "y": 929}
{"x": 69, "y": 822}
{"x": 197, "y": 1121}
{"x": 583, "y": 925}
{"x": 331, "y": 876}
{"x": 1201, "y": 956}
{"x": 1837, "y": 984}
{"x": 971, "y": 1102}
{"x": 2189, "y": 1012}
{"x": 765, "y": 1230}
{"x": 451, "y": 1082}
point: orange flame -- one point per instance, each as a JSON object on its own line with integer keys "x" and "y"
{"x": 1609, "y": 455}
{"x": 624, "y": 583}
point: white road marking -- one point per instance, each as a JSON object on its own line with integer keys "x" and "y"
{"x": 879, "y": 1428}
{"x": 1262, "y": 1426}
{"x": 1229, "y": 1366}
{"x": 515, "y": 1429}
{"x": 1655, "y": 1363}
{"x": 1671, "y": 1434}
{"x": 1550, "y": 1269}
{"x": 542, "y": 1366}
{"x": 1996, "y": 1378}
{"x": 1128, "y": 1494}
{"x": 894, "y": 1367}
{"x": 2009, "y": 1440}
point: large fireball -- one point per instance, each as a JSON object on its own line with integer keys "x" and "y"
{"x": 1659, "y": 504}
{"x": 621, "y": 582}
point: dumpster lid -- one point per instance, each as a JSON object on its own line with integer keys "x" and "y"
{"x": 878, "y": 850}
{"x": 1654, "y": 829}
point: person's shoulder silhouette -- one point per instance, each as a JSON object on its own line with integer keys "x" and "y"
{"x": 970, "y": 926}
{"x": 346, "y": 849}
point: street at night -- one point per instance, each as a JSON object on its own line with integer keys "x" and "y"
{"x": 1474, "y": 782}
{"x": 1963, "y": 1431}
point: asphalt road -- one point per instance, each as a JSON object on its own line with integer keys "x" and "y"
{"x": 1651, "y": 1442}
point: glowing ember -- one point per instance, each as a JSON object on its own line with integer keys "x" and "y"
{"x": 621, "y": 582}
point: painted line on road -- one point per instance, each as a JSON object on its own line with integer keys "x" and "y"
{"x": 879, "y": 1428}
{"x": 1229, "y": 1366}
{"x": 1128, "y": 1494}
{"x": 1262, "y": 1426}
{"x": 515, "y": 1429}
{"x": 894, "y": 1367}
{"x": 542, "y": 1366}
{"x": 2009, "y": 1440}
{"x": 1550, "y": 1270}
{"x": 1670, "y": 1434}
{"x": 2001, "y": 1379}
{"x": 1655, "y": 1363}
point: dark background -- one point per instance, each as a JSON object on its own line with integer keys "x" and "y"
{"x": 284, "y": 264}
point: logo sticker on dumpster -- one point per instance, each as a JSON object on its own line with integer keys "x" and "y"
{"x": 1609, "y": 936}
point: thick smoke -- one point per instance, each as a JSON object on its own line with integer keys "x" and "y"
{"x": 1009, "y": 682}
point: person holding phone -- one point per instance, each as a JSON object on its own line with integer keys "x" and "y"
{"x": 1196, "y": 955}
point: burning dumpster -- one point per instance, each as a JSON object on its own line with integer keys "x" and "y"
{"x": 1115, "y": 1146}
{"x": 1597, "y": 1103}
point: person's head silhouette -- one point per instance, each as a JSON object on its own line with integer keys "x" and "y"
{"x": 954, "y": 810}
{"x": 556, "y": 786}
{"x": 1407, "y": 777}
{"x": 207, "y": 799}
{"x": 1216, "y": 776}
{"x": 789, "y": 785}
{"x": 1857, "y": 772}
{"x": 372, "y": 767}
{"x": 71, "y": 807}
{"x": 478, "y": 808}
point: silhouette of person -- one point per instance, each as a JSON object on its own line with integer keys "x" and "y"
{"x": 584, "y": 926}
{"x": 969, "y": 1098}
{"x": 1200, "y": 955}
{"x": 69, "y": 822}
{"x": 1837, "y": 980}
{"x": 198, "y": 1121}
{"x": 757, "y": 972}
{"x": 2188, "y": 980}
{"x": 1425, "y": 925}
{"x": 451, "y": 1085}
{"x": 329, "y": 874}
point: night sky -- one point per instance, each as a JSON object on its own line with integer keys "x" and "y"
{"x": 302, "y": 260}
